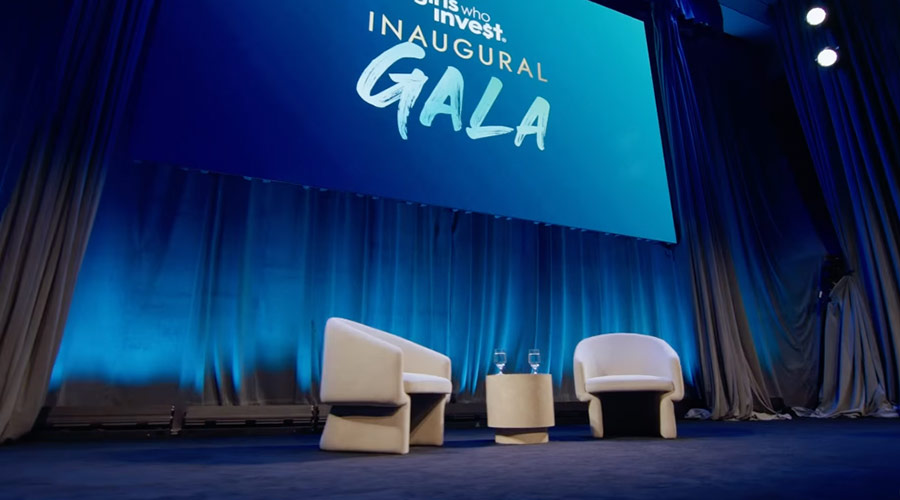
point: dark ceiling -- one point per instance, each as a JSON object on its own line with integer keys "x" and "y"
{"x": 747, "y": 18}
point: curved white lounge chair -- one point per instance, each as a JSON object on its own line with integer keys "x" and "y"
{"x": 616, "y": 362}
{"x": 385, "y": 392}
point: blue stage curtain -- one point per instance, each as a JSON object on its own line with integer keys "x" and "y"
{"x": 851, "y": 118}
{"x": 742, "y": 301}
{"x": 29, "y": 37}
{"x": 66, "y": 134}
{"x": 219, "y": 287}
{"x": 776, "y": 246}
{"x": 732, "y": 382}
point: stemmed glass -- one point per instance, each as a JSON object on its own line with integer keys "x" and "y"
{"x": 500, "y": 360}
{"x": 534, "y": 359}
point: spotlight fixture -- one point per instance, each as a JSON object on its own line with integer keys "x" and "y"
{"x": 827, "y": 57}
{"x": 816, "y": 16}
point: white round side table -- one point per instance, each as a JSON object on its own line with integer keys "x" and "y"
{"x": 520, "y": 407}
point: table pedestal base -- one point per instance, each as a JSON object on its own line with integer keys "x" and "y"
{"x": 535, "y": 435}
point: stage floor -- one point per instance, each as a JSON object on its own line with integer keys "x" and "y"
{"x": 798, "y": 459}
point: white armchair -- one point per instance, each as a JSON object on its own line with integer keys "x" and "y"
{"x": 385, "y": 392}
{"x": 616, "y": 362}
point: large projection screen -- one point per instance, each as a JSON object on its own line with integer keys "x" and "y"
{"x": 538, "y": 110}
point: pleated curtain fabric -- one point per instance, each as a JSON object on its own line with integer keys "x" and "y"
{"x": 731, "y": 377}
{"x": 775, "y": 244}
{"x": 851, "y": 118}
{"x": 46, "y": 224}
{"x": 247, "y": 272}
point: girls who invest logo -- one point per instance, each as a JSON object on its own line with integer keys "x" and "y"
{"x": 479, "y": 23}
{"x": 447, "y": 96}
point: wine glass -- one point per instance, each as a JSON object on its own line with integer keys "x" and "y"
{"x": 500, "y": 360}
{"x": 534, "y": 359}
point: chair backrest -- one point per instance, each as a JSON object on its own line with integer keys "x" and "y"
{"x": 416, "y": 358}
{"x": 390, "y": 338}
{"x": 624, "y": 354}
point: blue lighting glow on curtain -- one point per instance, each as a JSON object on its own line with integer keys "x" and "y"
{"x": 223, "y": 285}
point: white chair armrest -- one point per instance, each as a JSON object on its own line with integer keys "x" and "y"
{"x": 420, "y": 359}
{"x": 580, "y": 390}
{"x": 677, "y": 377}
{"x": 358, "y": 368}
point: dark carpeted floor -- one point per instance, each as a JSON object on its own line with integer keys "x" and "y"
{"x": 797, "y": 459}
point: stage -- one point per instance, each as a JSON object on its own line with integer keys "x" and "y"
{"x": 803, "y": 458}
{"x": 232, "y": 231}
